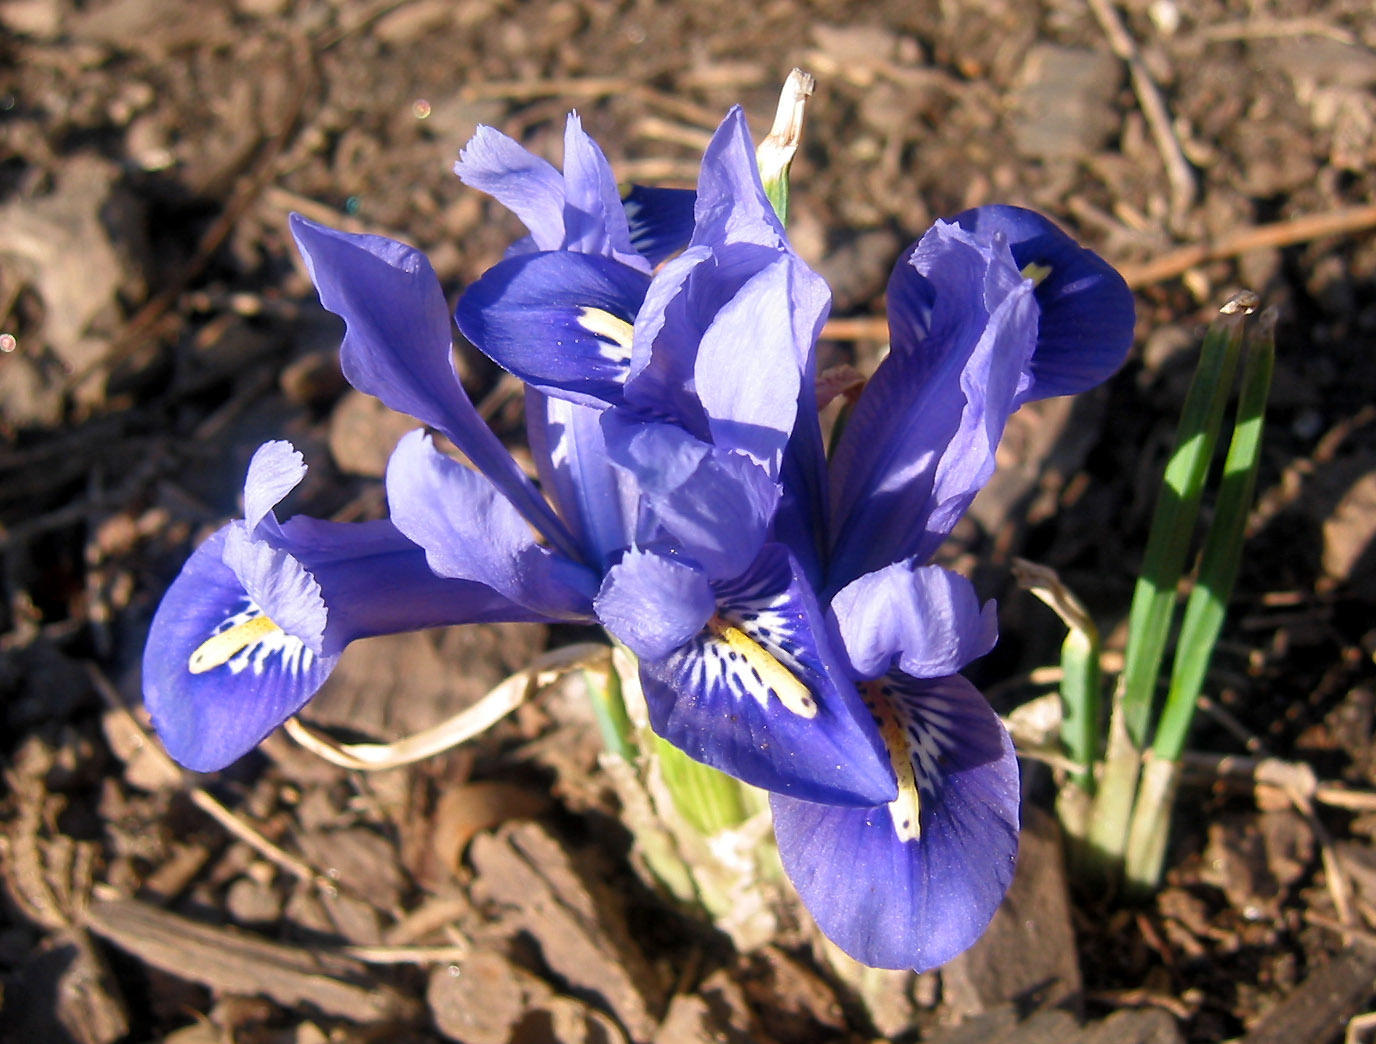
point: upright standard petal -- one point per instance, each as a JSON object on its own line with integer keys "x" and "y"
{"x": 912, "y": 883}
{"x": 597, "y": 500}
{"x": 560, "y": 321}
{"x": 397, "y": 347}
{"x": 920, "y": 442}
{"x": 738, "y": 288}
{"x": 471, "y": 532}
{"x": 759, "y": 694}
{"x": 594, "y": 218}
{"x": 528, "y": 186}
{"x": 1087, "y": 310}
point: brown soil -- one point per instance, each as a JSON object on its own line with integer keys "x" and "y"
{"x": 162, "y": 328}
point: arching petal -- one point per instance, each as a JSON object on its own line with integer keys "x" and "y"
{"x": 276, "y": 469}
{"x": 213, "y": 703}
{"x": 219, "y": 673}
{"x": 471, "y": 532}
{"x": 920, "y": 442}
{"x": 560, "y": 321}
{"x": 926, "y": 620}
{"x": 759, "y": 695}
{"x": 892, "y": 897}
{"x": 654, "y": 603}
{"x": 398, "y": 347}
{"x": 1087, "y": 310}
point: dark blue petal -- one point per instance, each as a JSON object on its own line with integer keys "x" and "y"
{"x": 212, "y": 701}
{"x": 895, "y": 897}
{"x": 397, "y": 346}
{"x": 594, "y": 219}
{"x": 596, "y": 499}
{"x": 219, "y": 673}
{"x": 471, "y": 532}
{"x": 560, "y": 321}
{"x": 1087, "y": 310}
{"x": 654, "y": 603}
{"x": 522, "y": 182}
{"x": 712, "y": 505}
{"x": 926, "y": 620}
{"x": 375, "y": 581}
{"x": 801, "y": 519}
{"x": 920, "y": 442}
{"x": 759, "y": 695}
{"x": 661, "y": 220}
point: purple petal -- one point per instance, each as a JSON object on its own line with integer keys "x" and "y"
{"x": 220, "y": 673}
{"x": 920, "y": 442}
{"x": 653, "y": 603}
{"x": 738, "y": 287}
{"x": 596, "y": 499}
{"x": 471, "y": 532}
{"x": 731, "y": 202}
{"x": 397, "y": 346}
{"x": 1087, "y": 310}
{"x": 242, "y": 688}
{"x": 759, "y": 695}
{"x": 926, "y": 620}
{"x": 712, "y": 505}
{"x": 661, "y": 220}
{"x": 560, "y": 321}
{"x": 276, "y": 469}
{"x": 892, "y": 897}
{"x": 375, "y": 581}
{"x": 522, "y": 182}
{"x": 751, "y": 396}
{"x": 594, "y": 219}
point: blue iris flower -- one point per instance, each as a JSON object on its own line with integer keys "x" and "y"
{"x": 789, "y": 626}
{"x": 660, "y": 477}
{"x": 989, "y": 311}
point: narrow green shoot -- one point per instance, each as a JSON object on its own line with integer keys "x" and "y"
{"x": 1203, "y": 620}
{"x": 1177, "y": 508}
{"x": 1222, "y": 552}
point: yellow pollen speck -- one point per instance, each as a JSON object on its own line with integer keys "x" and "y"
{"x": 602, "y": 323}
{"x": 219, "y": 649}
{"x": 777, "y": 678}
{"x": 903, "y": 809}
{"x": 1035, "y": 272}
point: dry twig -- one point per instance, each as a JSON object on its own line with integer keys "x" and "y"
{"x": 1178, "y": 170}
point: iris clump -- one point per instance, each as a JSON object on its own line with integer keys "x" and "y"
{"x": 789, "y": 627}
